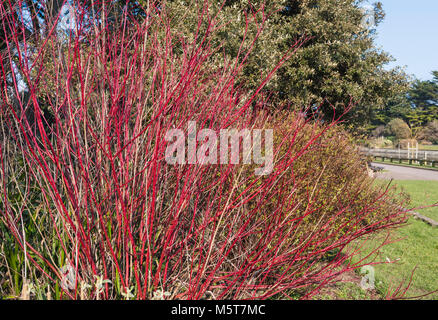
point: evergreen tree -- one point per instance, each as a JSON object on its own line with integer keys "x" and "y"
{"x": 339, "y": 61}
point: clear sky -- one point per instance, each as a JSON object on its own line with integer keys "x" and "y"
{"x": 410, "y": 34}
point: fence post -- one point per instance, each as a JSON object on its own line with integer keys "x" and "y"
{"x": 416, "y": 154}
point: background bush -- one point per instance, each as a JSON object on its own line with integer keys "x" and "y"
{"x": 430, "y": 132}
{"x": 399, "y": 129}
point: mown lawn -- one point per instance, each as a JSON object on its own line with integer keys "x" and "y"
{"x": 418, "y": 246}
{"x": 431, "y": 148}
{"x": 423, "y": 193}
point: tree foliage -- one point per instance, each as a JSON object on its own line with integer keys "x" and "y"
{"x": 418, "y": 106}
{"x": 430, "y": 132}
{"x": 399, "y": 129}
{"x": 338, "y": 62}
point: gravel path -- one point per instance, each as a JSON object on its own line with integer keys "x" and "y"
{"x": 405, "y": 173}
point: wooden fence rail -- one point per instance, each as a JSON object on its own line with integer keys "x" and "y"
{"x": 396, "y": 155}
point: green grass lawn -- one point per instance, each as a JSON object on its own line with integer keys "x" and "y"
{"x": 431, "y": 148}
{"x": 423, "y": 193}
{"x": 419, "y": 246}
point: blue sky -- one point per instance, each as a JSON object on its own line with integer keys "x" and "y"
{"x": 410, "y": 34}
